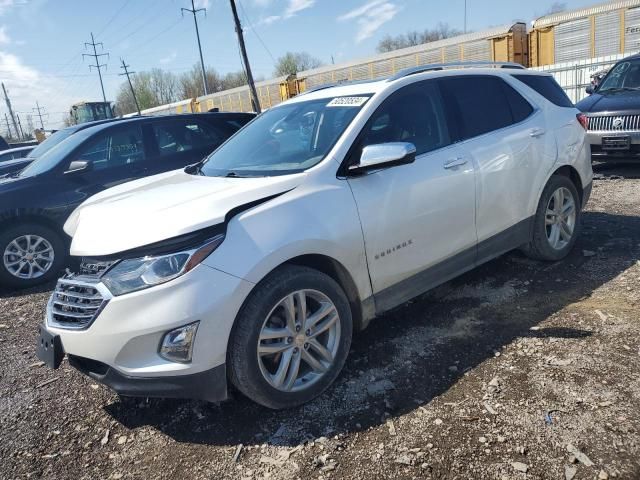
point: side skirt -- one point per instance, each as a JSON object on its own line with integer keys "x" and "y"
{"x": 511, "y": 238}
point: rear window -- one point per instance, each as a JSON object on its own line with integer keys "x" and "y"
{"x": 547, "y": 87}
{"x": 479, "y": 104}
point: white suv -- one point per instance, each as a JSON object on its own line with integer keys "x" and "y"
{"x": 257, "y": 265}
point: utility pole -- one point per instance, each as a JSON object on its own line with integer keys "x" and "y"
{"x": 245, "y": 59}
{"x": 97, "y": 56}
{"x": 6, "y": 119}
{"x": 465, "y": 16}
{"x": 127, "y": 73}
{"x": 13, "y": 117}
{"x": 20, "y": 126}
{"x": 37, "y": 109}
{"x": 195, "y": 21}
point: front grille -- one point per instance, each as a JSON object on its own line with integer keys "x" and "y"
{"x": 615, "y": 123}
{"x": 74, "y": 305}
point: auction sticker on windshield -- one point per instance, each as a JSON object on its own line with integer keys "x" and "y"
{"x": 347, "y": 102}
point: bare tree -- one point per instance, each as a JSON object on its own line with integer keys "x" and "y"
{"x": 291, "y": 63}
{"x": 153, "y": 88}
{"x": 412, "y": 38}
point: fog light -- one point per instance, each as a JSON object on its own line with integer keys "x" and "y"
{"x": 177, "y": 345}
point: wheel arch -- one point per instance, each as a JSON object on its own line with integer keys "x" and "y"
{"x": 339, "y": 273}
{"x": 572, "y": 174}
{"x": 9, "y": 221}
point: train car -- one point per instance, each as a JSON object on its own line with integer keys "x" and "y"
{"x": 182, "y": 106}
{"x": 239, "y": 100}
{"x": 502, "y": 44}
{"x": 599, "y": 31}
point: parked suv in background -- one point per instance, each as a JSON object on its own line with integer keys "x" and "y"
{"x": 613, "y": 112}
{"x": 35, "y": 202}
{"x": 328, "y": 210}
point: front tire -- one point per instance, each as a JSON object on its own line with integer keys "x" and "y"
{"x": 30, "y": 254}
{"x": 556, "y": 225}
{"x": 291, "y": 338}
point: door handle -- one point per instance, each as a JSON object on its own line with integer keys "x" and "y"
{"x": 537, "y": 132}
{"x": 455, "y": 162}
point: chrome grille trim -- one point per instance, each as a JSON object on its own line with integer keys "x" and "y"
{"x": 76, "y": 303}
{"x": 614, "y": 123}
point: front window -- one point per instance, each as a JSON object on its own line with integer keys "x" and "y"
{"x": 623, "y": 76}
{"x": 287, "y": 139}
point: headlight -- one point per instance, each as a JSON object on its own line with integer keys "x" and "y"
{"x": 139, "y": 273}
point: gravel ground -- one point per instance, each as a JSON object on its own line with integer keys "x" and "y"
{"x": 517, "y": 370}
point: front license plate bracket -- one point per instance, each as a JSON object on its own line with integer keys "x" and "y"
{"x": 49, "y": 348}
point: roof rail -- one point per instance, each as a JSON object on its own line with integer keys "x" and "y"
{"x": 341, "y": 83}
{"x": 441, "y": 66}
{"x": 319, "y": 87}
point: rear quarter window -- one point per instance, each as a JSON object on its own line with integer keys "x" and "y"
{"x": 547, "y": 87}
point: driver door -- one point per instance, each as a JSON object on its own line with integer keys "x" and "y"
{"x": 114, "y": 156}
{"x": 418, "y": 220}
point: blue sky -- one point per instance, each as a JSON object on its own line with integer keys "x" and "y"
{"x": 41, "y": 41}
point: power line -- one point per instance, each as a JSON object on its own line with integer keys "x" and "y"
{"x": 194, "y": 11}
{"x": 255, "y": 32}
{"x": 133, "y": 92}
{"x": 114, "y": 17}
{"x": 149, "y": 40}
{"x": 98, "y": 66}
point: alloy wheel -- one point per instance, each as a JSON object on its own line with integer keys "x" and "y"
{"x": 299, "y": 340}
{"x": 560, "y": 218}
{"x": 28, "y": 257}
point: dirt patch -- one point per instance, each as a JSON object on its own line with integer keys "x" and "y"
{"x": 517, "y": 370}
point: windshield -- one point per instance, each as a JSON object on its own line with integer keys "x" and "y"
{"x": 55, "y": 154}
{"x": 286, "y": 139}
{"x": 624, "y": 76}
{"x": 51, "y": 142}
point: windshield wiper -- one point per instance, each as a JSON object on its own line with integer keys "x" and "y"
{"x": 618, "y": 89}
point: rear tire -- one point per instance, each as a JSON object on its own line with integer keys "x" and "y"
{"x": 556, "y": 225}
{"x": 280, "y": 355}
{"x": 30, "y": 254}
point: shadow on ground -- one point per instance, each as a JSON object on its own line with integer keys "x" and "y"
{"x": 410, "y": 352}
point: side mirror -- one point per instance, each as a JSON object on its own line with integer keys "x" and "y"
{"x": 78, "y": 166}
{"x": 589, "y": 89}
{"x": 384, "y": 155}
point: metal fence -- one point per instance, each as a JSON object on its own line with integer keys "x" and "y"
{"x": 574, "y": 77}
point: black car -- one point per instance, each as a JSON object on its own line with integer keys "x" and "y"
{"x": 35, "y": 202}
{"x": 613, "y": 113}
{"x": 51, "y": 141}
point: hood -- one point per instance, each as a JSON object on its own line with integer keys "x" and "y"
{"x": 610, "y": 102}
{"x": 14, "y": 165}
{"x": 164, "y": 206}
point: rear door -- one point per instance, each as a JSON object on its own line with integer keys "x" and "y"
{"x": 178, "y": 142}
{"x": 115, "y": 156}
{"x": 501, "y": 132}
